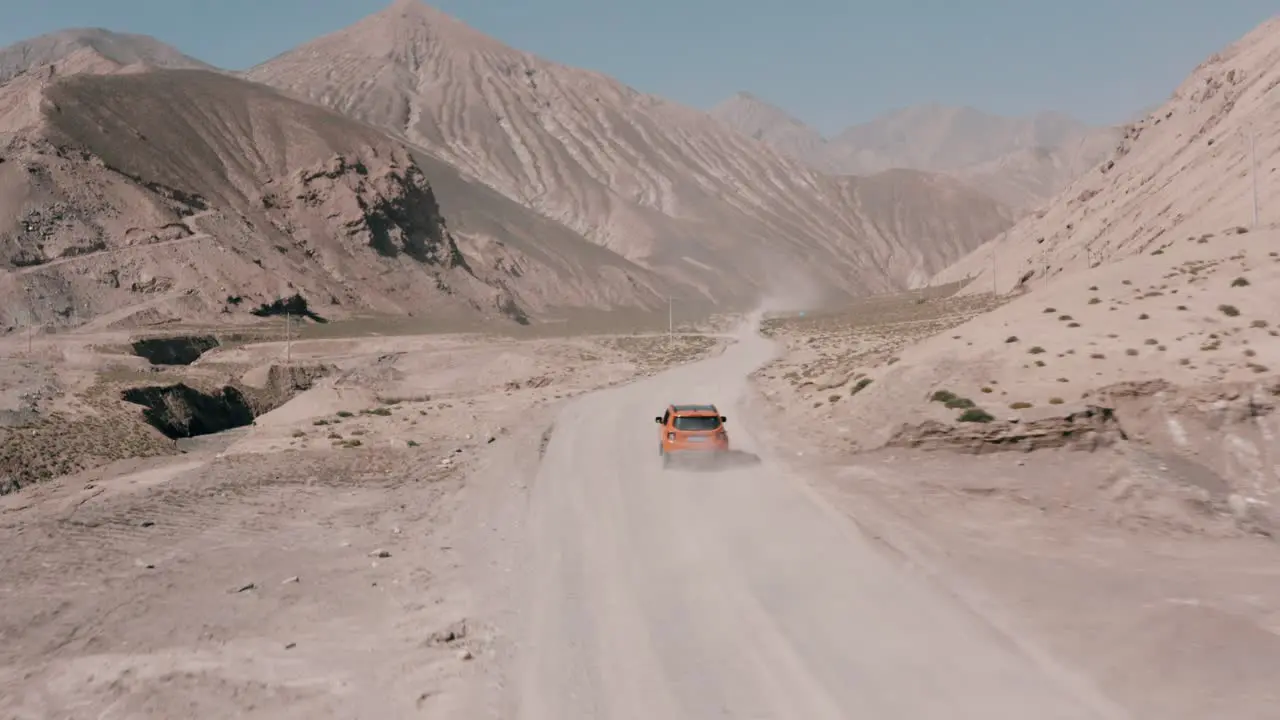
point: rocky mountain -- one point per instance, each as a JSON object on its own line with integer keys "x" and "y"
{"x": 1019, "y": 161}
{"x": 1027, "y": 178}
{"x": 92, "y": 47}
{"x": 143, "y": 198}
{"x": 659, "y": 184}
{"x": 411, "y": 165}
{"x": 1181, "y": 174}
{"x": 951, "y": 139}
{"x": 776, "y": 128}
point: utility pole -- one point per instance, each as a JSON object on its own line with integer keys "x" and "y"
{"x": 31, "y": 331}
{"x": 994, "y": 291}
{"x": 288, "y": 339}
{"x": 1253, "y": 172}
{"x": 671, "y": 327}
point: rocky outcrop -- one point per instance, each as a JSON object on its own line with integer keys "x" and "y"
{"x": 1224, "y": 438}
{"x": 1087, "y": 428}
{"x": 283, "y": 382}
{"x": 391, "y": 210}
{"x": 176, "y": 350}
{"x": 1217, "y": 442}
{"x": 181, "y": 411}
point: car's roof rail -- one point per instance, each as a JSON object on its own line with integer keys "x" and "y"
{"x": 694, "y": 408}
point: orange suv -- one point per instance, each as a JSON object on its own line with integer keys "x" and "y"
{"x": 691, "y": 431}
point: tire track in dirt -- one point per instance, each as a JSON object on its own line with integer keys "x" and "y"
{"x": 638, "y": 577}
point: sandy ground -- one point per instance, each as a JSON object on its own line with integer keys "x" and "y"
{"x": 1146, "y": 566}
{"x": 738, "y": 593}
{"x": 1197, "y": 313}
{"x": 253, "y": 587}
{"x": 1166, "y": 622}
{"x": 453, "y": 526}
{"x": 1180, "y": 346}
{"x": 1100, "y": 560}
{"x": 128, "y": 588}
{"x": 462, "y": 527}
{"x": 302, "y": 567}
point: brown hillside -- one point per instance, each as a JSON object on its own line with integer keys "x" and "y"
{"x": 1182, "y": 172}
{"x": 663, "y": 185}
{"x": 163, "y": 194}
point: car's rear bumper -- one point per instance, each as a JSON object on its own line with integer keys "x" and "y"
{"x": 697, "y": 451}
{"x": 695, "y": 447}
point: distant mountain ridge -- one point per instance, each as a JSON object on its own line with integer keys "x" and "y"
{"x": 1021, "y": 161}
{"x": 120, "y": 49}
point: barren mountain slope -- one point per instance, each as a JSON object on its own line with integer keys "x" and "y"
{"x": 952, "y": 139}
{"x": 749, "y": 114}
{"x": 1182, "y": 172}
{"x": 186, "y": 193}
{"x": 660, "y": 184}
{"x": 27, "y": 68}
{"x": 118, "y": 49}
{"x": 1028, "y": 177}
{"x": 1019, "y": 161}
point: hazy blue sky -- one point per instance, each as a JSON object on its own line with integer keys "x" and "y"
{"x": 829, "y": 62}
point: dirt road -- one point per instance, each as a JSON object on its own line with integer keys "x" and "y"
{"x": 737, "y": 594}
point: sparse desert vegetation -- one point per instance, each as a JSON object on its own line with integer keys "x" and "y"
{"x": 975, "y": 415}
{"x": 971, "y": 354}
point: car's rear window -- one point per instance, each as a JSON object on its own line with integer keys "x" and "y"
{"x": 695, "y": 423}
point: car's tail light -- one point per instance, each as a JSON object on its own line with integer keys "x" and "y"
{"x": 671, "y": 436}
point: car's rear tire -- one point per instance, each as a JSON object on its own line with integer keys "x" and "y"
{"x": 666, "y": 461}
